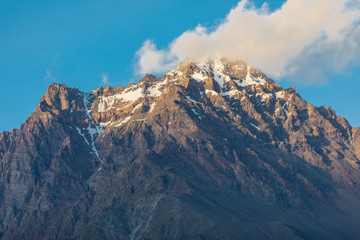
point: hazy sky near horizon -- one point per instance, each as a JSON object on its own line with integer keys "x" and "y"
{"x": 88, "y": 44}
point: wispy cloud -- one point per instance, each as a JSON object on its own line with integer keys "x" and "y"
{"x": 105, "y": 79}
{"x": 302, "y": 38}
{"x": 48, "y": 76}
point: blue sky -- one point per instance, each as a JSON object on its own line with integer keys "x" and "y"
{"x": 77, "y": 42}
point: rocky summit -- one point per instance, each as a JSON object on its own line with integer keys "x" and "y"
{"x": 210, "y": 150}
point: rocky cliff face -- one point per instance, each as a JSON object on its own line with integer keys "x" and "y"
{"x": 210, "y": 150}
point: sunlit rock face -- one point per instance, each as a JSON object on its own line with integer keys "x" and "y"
{"x": 211, "y": 150}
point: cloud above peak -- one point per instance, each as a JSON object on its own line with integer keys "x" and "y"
{"x": 282, "y": 43}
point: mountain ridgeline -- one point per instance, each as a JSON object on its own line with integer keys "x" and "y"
{"x": 210, "y": 150}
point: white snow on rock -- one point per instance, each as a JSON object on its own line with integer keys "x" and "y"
{"x": 137, "y": 107}
{"x": 174, "y": 73}
{"x": 140, "y": 120}
{"x": 152, "y": 106}
{"x": 82, "y": 134}
{"x": 93, "y": 130}
{"x": 232, "y": 92}
{"x": 190, "y": 99}
{"x": 207, "y": 91}
{"x": 199, "y": 76}
{"x": 105, "y": 124}
{"x": 286, "y": 105}
{"x": 251, "y": 80}
{"x": 125, "y": 120}
{"x": 154, "y": 91}
{"x": 197, "y": 114}
{"x": 211, "y": 67}
{"x": 217, "y": 69}
{"x": 264, "y": 96}
{"x": 71, "y": 106}
{"x": 255, "y": 126}
{"x": 130, "y": 95}
{"x": 280, "y": 94}
{"x": 106, "y": 103}
{"x": 285, "y": 110}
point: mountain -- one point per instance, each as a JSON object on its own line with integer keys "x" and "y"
{"x": 211, "y": 150}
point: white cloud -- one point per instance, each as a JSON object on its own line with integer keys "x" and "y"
{"x": 152, "y": 60}
{"x": 48, "y": 76}
{"x": 320, "y": 35}
{"x": 105, "y": 79}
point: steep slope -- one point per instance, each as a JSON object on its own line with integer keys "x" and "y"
{"x": 210, "y": 150}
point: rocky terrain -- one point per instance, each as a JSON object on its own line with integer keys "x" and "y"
{"x": 210, "y": 150}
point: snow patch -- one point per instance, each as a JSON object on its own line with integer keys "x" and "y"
{"x": 190, "y": 99}
{"x": 131, "y": 94}
{"x": 83, "y": 135}
{"x": 94, "y": 131}
{"x": 154, "y": 91}
{"x": 287, "y": 105}
{"x": 255, "y": 126}
{"x": 71, "y": 106}
{"x": 175, "y": 73}
{"x": 125, "y": 120}
{"x": 197, "y": 114}
{"x": 128, "y": 95}
{"x": 198, "y": 77}
{"x": 250, "y": 80}
{"x": 218, "y": 73}
{"x": 152, "y": 106}
{"x": 137, "y": 107}
{"x": 279, "y": 94}
{"x": 264, "y": 96}
{"x": 285, "y": 111}
{"x": 231, "y": 93}
{"x": 211, "y": 92}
